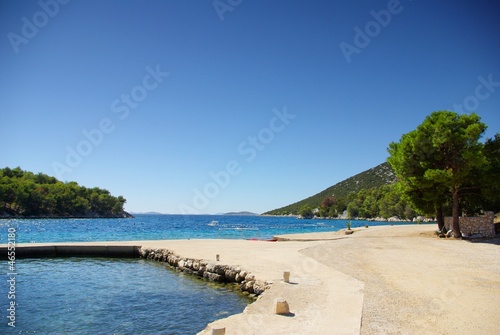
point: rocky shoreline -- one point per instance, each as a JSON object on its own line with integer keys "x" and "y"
{"x": 214, "y": 272}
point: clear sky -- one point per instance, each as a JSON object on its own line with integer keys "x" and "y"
{"x": 216, "y": 106}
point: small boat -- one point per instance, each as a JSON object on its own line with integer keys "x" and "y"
{"x": 213, "y": 223}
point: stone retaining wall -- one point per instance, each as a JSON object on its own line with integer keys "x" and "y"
{"x": 481, "y": 226}
{"x": 211, "y": 271}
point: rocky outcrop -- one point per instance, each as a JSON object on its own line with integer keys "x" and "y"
{"x": 211, "y": 271}
{"x": 87, "y": 215}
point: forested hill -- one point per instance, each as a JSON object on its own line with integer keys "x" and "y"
{"x": 25, "y": 194}
{"x": 374, "y": 177}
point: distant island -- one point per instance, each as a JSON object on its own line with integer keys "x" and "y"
{"x": 24, "y": 194}
{"x": 244, "y": 213}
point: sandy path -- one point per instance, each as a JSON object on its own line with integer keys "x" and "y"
{"x": 415, "y": 284}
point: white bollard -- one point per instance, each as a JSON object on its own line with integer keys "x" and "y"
{"x": 286, "y": 276}
{"x": 281, "y": 306}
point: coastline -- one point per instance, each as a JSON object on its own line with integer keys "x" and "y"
{"x": 340, "y": 218}
{"x": 123, "y": 215}
{"x": 384, "y": 279}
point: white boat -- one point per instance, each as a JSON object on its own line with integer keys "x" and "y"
{"x": 213, "y": 223}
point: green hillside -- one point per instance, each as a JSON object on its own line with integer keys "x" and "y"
{"x": 374, "y": 177}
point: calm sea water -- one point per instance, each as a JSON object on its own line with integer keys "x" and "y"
{"x": 156, "y": 227}
{"x": 111, "y": 296}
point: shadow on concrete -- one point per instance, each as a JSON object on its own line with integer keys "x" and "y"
{"x": 491, "y": 240}
{"x": 288, "y": 315}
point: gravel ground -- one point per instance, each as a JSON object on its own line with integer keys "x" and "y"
{"x": 418, "y": 284}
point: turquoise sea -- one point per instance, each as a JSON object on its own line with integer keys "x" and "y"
{"x": 113, "y": 296}
{"x": 157, "y": 227}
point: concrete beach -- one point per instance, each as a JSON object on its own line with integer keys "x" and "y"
{"x": 379, "y": 280}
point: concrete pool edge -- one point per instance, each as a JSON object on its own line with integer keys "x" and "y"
{"x": 70, "y": 250}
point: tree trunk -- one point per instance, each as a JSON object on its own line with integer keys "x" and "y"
{"x": 456, "y": 223}
{"x": 440, "y": 218}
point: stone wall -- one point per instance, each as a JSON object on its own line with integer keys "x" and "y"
{"x": 481, "y": 226}
{"x": 211, "y": 271}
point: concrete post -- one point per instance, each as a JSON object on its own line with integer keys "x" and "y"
{"x": 286, "y": 276}
{"x": 219, "y": 331}
{"x": 281, "y": 306}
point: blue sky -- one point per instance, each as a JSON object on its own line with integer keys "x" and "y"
{"x": 217, "y": 106}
